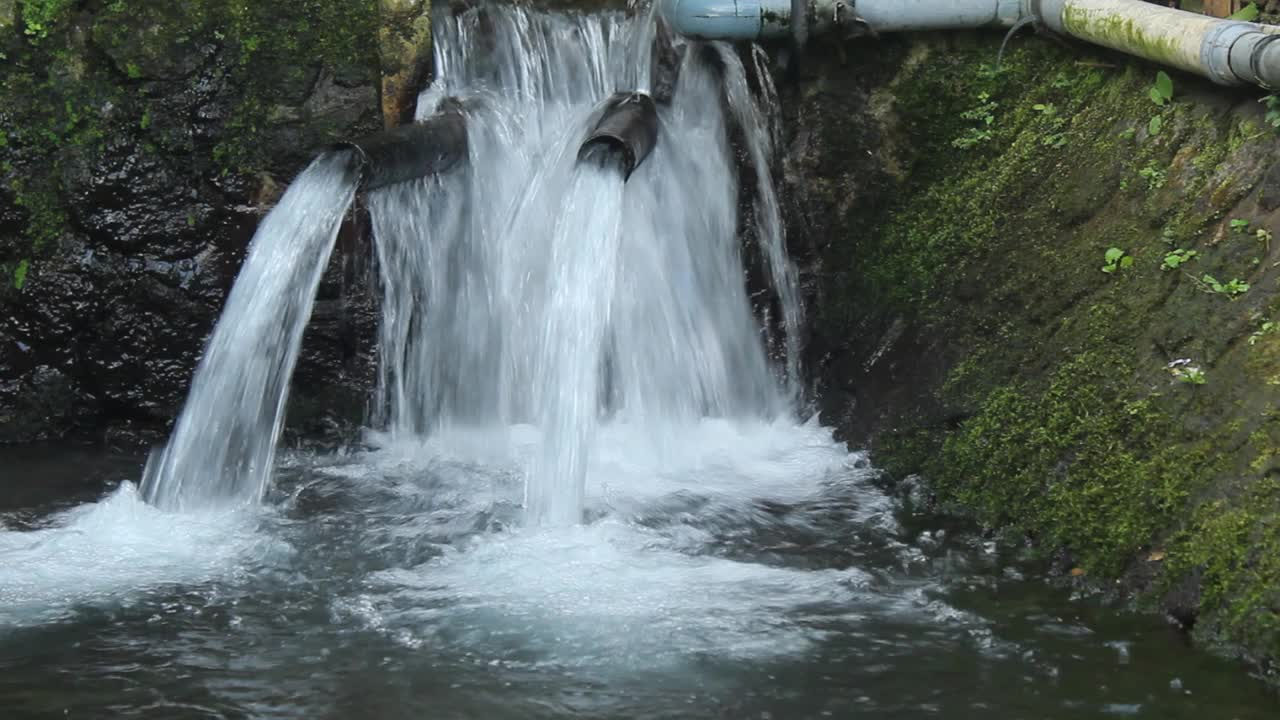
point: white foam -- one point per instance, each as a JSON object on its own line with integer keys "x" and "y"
{"x": 112, "y": 552}
{"x": 606, "y": 593}
{"x": 618, "y": 592}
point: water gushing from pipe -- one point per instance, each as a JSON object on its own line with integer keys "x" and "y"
{"x": 222, "y": 449}
{"x": 560, "y": 296}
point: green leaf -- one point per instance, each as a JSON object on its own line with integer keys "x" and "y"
{"x": 1108, "y": 268}
{"x": 1126, "y": 261}
{"x": 1153, "y": 127}
{"x": 1156, "y": 97}
{"x": 1164, "y": 85}
{"x": 1248, "y": 13}
{"x": 1114, "y": 254}
{"x": 20, "y": 274}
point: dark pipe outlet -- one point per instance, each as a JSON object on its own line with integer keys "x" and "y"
{"x": 412, "y": 151}
{"x": 628, "y": 127}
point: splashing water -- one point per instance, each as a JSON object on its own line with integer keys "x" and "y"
{"x": 557, "y": 295}
{"x": 222, "y": 449}
{"x": 544, "y": 321}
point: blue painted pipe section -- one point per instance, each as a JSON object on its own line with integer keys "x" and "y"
{"x": 729, "y": 19}
{"x": 767, "y": 19}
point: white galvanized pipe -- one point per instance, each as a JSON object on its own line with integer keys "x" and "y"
{"x": 1229, "y": 52}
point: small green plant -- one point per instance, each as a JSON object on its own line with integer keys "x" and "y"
{"x": 1264, "y": 237}
{"x": 1155, "y": 126}
{"x": 1273, "y": 111}
{"x": 1162, "y": 92}
{"x": 40, "y": 16}
{"x": 1178, "y": 258}
{"x": 1154, "y": 176}
{"x": 1239, "y": 225}
{"x": 1266, "y": 328}
{"x": 1055, "y": 137}
{"x": 1116, "y": 259}
{"x": 1248, "y": 13}
{"x": 984, "y": 116}
{"x": 20, "y": 274}
{"x": 1191, "y": 376}
{"x": 1232, "y": 288}
{"x": 1184, "y": 372}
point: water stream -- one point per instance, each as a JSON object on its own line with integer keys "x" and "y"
{"x": 222, "y": 450}
{"x": 586, "y": 489}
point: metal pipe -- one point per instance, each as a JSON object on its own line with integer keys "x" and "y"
{"x": 1226, "y": 51}
{"x": 628, "y": 128}
{"x": 411, "y": 151}
{"x": 911, "y": 15}
{"x": 1229, "y": 52}
{"x": 775, "y": 19}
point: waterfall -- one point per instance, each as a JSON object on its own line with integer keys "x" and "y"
{"x": 527, "y": 287}
{"x": 550, "y": 294}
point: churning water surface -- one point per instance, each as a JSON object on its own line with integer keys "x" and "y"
{"x": 588, "y": 493}
{"x": 730, "y": 570}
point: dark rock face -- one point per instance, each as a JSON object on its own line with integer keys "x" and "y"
{"x": 840, "y": 167}
{"x": 102, "y": 327}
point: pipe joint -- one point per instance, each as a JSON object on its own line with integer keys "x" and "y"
{"x": 1255, "y": 58}
{"x": 1216, "y": 50}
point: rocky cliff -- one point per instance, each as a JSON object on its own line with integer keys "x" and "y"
{"x": 1053, "y": 295}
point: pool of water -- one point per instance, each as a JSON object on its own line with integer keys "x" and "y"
{"x": 729, "y": 570}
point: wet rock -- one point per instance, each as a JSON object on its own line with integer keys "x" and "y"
{"x": 152, "y": 41}
{"x": 144, "y": 217}
{"x": 129, "y": 199}
{"x": 1269, "y": 193}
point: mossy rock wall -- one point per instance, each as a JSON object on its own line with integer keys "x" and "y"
{"x": 140, "y": 144}
{"x": 954, "y": 221}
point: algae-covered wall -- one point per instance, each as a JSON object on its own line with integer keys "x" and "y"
{"x": 1055, "y": 296}
{"x": 140, "y": 143}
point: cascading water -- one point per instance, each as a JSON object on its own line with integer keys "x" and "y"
{"x": 545, "y": 320}
{"x": 222, "y": 450}
{"x": 563, "y": 295}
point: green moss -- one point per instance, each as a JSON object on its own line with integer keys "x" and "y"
{"x": 1076, "y": 464}
{"x": 1064, "y": 423}
{"x": 40, "y": 17}
{"x": 47, "y": 217}
{"x": 1115, "y": 31}
{"x": 65, "y": 89}
{"x": 1235, "y": 546}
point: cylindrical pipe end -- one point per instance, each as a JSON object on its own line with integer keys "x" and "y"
{"x": 411, "y": 151}
{"x": 628, "y": 127}
{"x": 1255, "y": 58}
{"x": 1266, "y": 64}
